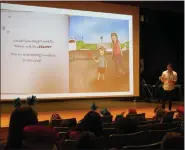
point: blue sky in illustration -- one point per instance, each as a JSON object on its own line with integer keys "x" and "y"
{"x": 91, "y": 28}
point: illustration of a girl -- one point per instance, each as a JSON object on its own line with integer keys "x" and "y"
{"x": 102, "y": 63}
{"x": 116, "y": 53}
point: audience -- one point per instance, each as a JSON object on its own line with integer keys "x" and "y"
{"x": 40, "y": 137}
{"x": 119, "y": 116}
{"x": 31, "y": 101}
{"x": 92, "y": 122}
{"x": 94, "y": 107}
{"x": 126, "y": 125}
{"x": 179, "y": 112}
{"x": 132, "y": 111}
{"x": 159, "y": 113}
{"x": 20, "y": 118}
{"x": 173, "y": 141}
{"x": 25, "y": 132}
{"x": 167, "y": 118}
{"x": 87, "y": 141}
{"x": 105, "y": 112}
{"x": 17, "y": 103}
{"x": 55, "y": 116}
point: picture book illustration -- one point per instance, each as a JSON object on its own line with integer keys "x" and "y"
{"x": 98, "y": 54}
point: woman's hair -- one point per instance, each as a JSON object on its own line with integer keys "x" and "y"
{"x": 19, "y": 118}
{"x": 160, "y": 113}
{"x": 92, "y": 122}
{"x": 180, "y": 110}
{"x": 132, "y": 111}
{"x": 114, "y": 34}
{"x": 170, "y": 65}
{"x": 87, "y": 141}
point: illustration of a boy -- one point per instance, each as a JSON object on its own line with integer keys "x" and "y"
{"x": 102, "y": 63}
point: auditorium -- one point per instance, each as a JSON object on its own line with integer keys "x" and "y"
{"x": 99, "y": 75}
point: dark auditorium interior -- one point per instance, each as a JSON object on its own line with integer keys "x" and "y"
{"x": 110, "y": 123}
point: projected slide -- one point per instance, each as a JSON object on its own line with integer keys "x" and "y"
{"x": 70, "y": 53}
{"x": 99, "y": 57}
{"x": 34, "y": 53}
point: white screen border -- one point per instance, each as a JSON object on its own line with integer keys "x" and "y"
{"x": 16, "y": 7}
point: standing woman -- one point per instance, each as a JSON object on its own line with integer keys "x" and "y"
{"x": 116, "y": 53}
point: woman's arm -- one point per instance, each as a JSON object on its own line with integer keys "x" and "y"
{"x": 120, "y": 48}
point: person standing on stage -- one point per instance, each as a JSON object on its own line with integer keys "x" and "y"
{"x": 168, "y": 78}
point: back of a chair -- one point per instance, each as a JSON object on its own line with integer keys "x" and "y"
{"x": 149, "y": 146}
{"x": 108, "y": 131}
{"x": 109, "y": 125}
{"x": 148, "y": 122}
{"x": 45, "y": 123}
{"x": 174, "y": 143}
{"x": 135, "y": 138}
{"x": 71, "y": 123}
{"x": 38, "y": 145}
{"x": 120, "y": 140}
{"x": 145, "y": 128}
{"x": 137, "y": 117}
{"x": 61, "y": 134}
{"x": 61, "y": 129}
{"x": 69, "y": 144}
{"x": 107, "y": 119}
{"x": 158, "y": 135}
{"x": 170, "y": 114}
{"x": 102, "y": 143}
{"x": 164, "y": 126}
{"x": 56, "y": 123}
{"x": 115, "y": 141}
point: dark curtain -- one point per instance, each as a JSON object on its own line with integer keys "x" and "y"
{"x": 162, "y": 41}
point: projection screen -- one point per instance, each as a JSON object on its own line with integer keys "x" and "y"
{"x": 66, "y": 50}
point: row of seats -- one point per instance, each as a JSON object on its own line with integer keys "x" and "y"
{"x": 148, "y": 135}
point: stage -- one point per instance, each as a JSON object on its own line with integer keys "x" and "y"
{"x": 78, "y": 108}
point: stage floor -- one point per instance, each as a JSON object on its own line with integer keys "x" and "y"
{"x": 78, "y": 108}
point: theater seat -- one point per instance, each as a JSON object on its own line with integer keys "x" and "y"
{"x": 158, "y": 135}
{"x": 61, "y": 129}
{"x": 148, "y": 122}
{"x": 155, "y": 146}
{"x": 70, "y": 123}
{"x": 45, "y": 122}
{"x": 175, "y": 142}
{"x": 164, "y": 126}
{"x": 107, "y": 119}
{"x": 109, "y": 125}
{"x": 69, "y": 145}
{"x": 56, "y": 123}
{"x": 120, "y": 140}
{"x": 108, "y": 131}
